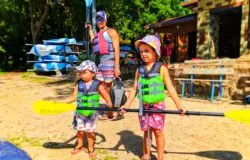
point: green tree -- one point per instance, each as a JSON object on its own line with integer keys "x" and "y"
{"x": 31, "y": 21}
{"x": 130, "y": 16}
{"x": 56, "y": 18}
{"x": 50, "y": 19}
{"x": 13, "y": 31}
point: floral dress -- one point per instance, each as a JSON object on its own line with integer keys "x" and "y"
{"x": 155, "y": 120}
{"x": 86, "y": 124}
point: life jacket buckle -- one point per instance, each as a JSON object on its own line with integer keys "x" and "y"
{"x": 145, "y": 86}
{"x": 145, "y": 92}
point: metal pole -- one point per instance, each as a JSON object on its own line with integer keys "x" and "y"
{"x": 88, "y": 5}
{"x": 140, "y": 100}
{"x": 93, "y": 16}
{"x": 196, "y": 113}
{"x": 87, "y": 31}
{"x": 149, "y": 138}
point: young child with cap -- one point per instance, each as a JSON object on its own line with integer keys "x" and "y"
{"x": 87, "y": 92}
{"x": 150, "y": 79}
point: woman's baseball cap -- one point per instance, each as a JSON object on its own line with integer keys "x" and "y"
{"x": 101, "y": 14}
{"x": 152, "y": 41}
{"x": 90, "y": 65}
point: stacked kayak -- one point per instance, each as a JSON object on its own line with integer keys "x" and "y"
{"x": 54, "y": 55}
{"x": 125, "y": 48}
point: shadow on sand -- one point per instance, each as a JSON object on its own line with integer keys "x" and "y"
{"x": 214, "y": 154}
{"x": 61, "y": 145}
{"x": 58, "y": 82}
{"x": 133, "y": 143}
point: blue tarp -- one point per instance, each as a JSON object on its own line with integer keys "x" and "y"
{"x": 9, "y": 151}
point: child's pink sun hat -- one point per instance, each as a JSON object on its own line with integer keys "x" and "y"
{"x": 152, "y": 41}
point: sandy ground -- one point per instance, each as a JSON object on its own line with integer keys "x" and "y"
{"x": 43, "y": 137}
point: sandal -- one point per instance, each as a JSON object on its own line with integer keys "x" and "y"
{"x": 101, "y": 118}
{"x": 117, "y": 118}
{"x": 77, "y": 150}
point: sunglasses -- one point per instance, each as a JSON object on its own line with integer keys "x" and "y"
{"x": 99, "y": 19}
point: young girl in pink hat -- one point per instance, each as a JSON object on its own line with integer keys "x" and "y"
{"x": 150, "y": 80}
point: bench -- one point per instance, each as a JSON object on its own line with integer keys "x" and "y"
{"x": 209, "y": 71}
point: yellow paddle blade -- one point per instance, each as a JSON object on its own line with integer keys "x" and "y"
{"x": 242, "y": 116}
{"x": 50, "y": 108}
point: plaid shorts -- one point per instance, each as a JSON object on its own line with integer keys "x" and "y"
{"x": 106, "y": 71}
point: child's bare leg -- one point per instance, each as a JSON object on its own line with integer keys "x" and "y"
{"x": 146, "y": 147}
{"x": 79, "y": 135}
{"x": 91, "y": 143}
{"x": 160, "y": 142}
{"x": 79, "y": 145}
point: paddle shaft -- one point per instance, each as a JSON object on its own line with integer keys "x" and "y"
{"x": 196, "y": 113}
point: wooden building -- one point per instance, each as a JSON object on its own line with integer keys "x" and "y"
{"x": 217, "y": 29}
{"x": 220, "y": 28}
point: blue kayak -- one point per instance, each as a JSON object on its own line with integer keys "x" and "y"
{"x": 52, "y": 66}
{"x": 58, "y": 58}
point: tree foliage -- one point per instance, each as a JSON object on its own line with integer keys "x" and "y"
{"x": 31, "y": 21}
{"x": 130, "y": 16}
{"x": 13, "y": 30}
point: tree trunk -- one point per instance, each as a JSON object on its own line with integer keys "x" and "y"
{"x": 36, "y": 25}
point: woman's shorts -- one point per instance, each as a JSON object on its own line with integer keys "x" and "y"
{"x": 106, "y": 71}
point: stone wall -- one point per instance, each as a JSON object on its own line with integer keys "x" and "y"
{"x": 175, "y": 71}
{"x": 241, "y": 80}
{"x": 204, "y": 27}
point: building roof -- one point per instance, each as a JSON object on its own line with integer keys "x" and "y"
{"x": 189, "y": 2}
{"x": 173, "y": 21}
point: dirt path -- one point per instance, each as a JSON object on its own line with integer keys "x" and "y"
{"x": 42, "y": 137}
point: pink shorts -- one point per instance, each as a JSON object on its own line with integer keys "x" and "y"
{"x": 155, "y": 120}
